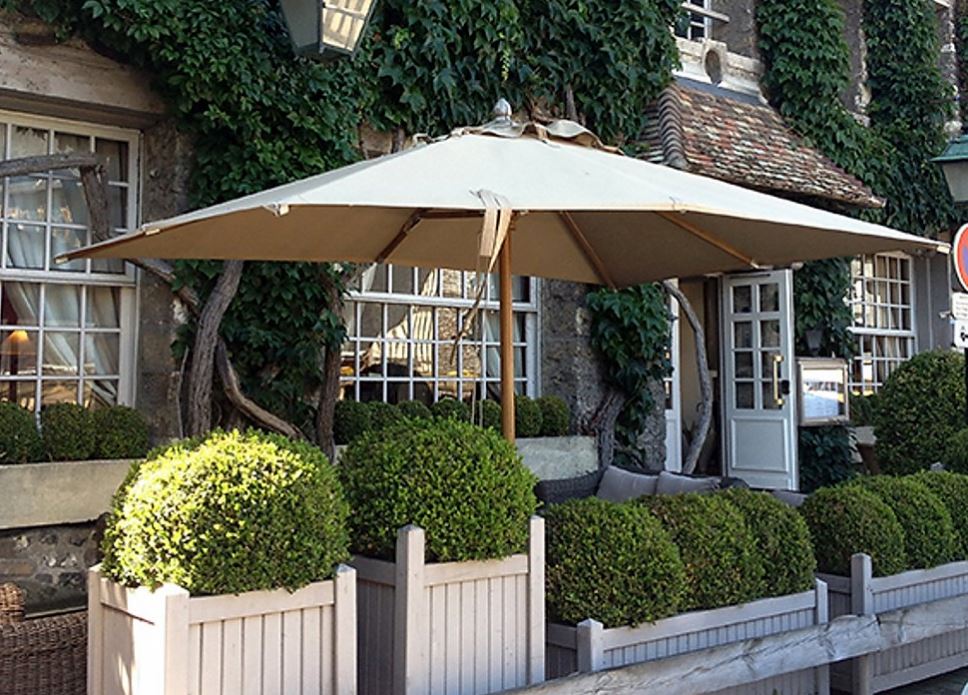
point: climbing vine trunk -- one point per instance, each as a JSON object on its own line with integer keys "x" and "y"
{"x": 329, "y": 392}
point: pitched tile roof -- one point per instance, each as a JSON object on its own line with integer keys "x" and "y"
{"x": 744, "y": 142}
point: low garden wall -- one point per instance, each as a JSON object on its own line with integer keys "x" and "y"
{"x": 589, "y": 647}
{"x": 167, "y": 642}
{"x": 863, "y": 594}
{"x": 456, "y": 627}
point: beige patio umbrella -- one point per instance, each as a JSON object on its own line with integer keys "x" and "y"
{"x": 547, "y": 201}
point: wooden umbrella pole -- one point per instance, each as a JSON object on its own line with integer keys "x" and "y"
{"x": 507, "y": 339}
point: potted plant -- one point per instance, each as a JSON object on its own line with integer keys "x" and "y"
{"x": 449, "y": 558}
{"x": 221, "y": 565}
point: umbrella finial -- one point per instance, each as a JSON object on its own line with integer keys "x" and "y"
{"x": 502, "y": 111}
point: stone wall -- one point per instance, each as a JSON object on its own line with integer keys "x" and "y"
{"x": 49, "y": 563}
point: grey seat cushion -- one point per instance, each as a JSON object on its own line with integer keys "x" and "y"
{"x": 675, "y": 484}
{"x": 794, "y": 499}
{"x": 620, "y": 485}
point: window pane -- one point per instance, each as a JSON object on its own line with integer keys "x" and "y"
{"x": 115, "y": 156}
{"x": 68, "y": 204}
{"x": 27, "y": 199}
{"x": 58, "y": 392}
{"x": 742, "y": 299}
{"x": 770, "y": 297}
{"x": 770, "y": 333}
{"x": 28, "y": 142}
{"x": 26, "y": 246}
{"x": 118, "y": 207}
{"x": 18, "y": 353}
{"x": 23, "y": 393}
{"x": 63, "y": 306}
{"x": 20, "y": 304}
{"x": 103, "y": 307}
{"x": 100, "y": 393}
{"x": 61, "y": 353}
{"x": 101, "y": 351}
{"x": 63, "y": 240}
{"x": 744, "y": 396}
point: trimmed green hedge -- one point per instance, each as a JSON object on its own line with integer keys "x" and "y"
{"x": 955, "y": 456}
{"x": 464, "y": 485}
{"x": 527, "y": 417}
{"x": 488, "y": 415}
{"x": 723, "y": 564}
{"x": 610, "y": 562}
{"x": 919, "y": 410}
{"x": 782, "y": 538}
{"x": 952, "y": 490}
{"x": 228, "y": 513}
{"x": 849, "y": 519}
{"x": 383, "y": 415}
{"x": 120, "y": 433}
{"x": 19, "y": 439}
{"x": 351, "y": 419}
{"x": 929, "y": 534}
{"x": 414, "y": 409}
{"x": 451, "y": 409}
{"x": 67, "y": 431}
{"x": 555, "y": 416}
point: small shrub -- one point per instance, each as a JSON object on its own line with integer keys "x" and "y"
{"x": 228, "y": 513}
{"x": 929, "y": 534}
{"x": 67, "y": 431}
{"x": 723, "y": 564}
{"x": 451, "y": 409}
{"x": 920, "y": 407}
{"x": 614, "y": 563}
{"x": 351, "y": 420}
{"x": 19, "y": 439}
{"x": 825, "y": 457}
{"x": 555, "y": 417}
{"x": 382, "y": 415}
{"x": 955, "y": 456}
{"x": 782, "y": 538}
{"x": 487, "y": 414}
{"x": 849, "y": 519}
{"x": 952, "y": 490}
{"x": 464, "y": 485}
{"x": 863, "y": 409}
{"x": 414, "y": 410}
{"x": 120, "y": 433}
{"x": 527, "y": 417}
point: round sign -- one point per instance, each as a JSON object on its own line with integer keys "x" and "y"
{"x": 959, "y": 256}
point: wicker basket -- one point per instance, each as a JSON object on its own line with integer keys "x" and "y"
{"x": 43, "y": 656}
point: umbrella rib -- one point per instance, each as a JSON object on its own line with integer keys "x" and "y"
{"x": 710, "y": 239}
{"x": 411, "y": 222}
{"x": 586, "y": 248}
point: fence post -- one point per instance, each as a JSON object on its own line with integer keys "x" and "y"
{"x": 591, "y": 652}
{"x": 174, "y": 627}
{"x": 823, "y": 617}
{"x": 862, "y": 603}
{"x": 410, "y": 614}
{"x": 536, "y": 601}
{"x": 95, "y": 632}
{"x": 344, "y": 630}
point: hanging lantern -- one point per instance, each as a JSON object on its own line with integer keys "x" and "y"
{"x": 321, "y": 28}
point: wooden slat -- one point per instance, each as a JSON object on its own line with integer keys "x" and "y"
{"x": 311, "y": 646}
{"x": 252, "y": 656}
{"x": 468, "y": 595}
{"x": 410, "y": 614}
{"x": 453, "y": 572}
{"x": 291, "y": 652}
{"x": 140, "y": 602}
{"x": 343, "y": 637}
{"x": 917, "y": 577}
{"x": 95, "y": 632}
{"x": 205, "y": 609}
{"x": 482, "y": 635}
{"x": 377, "y": 571}
{"x": 562, "y": 635}
{"x": 211, "y": 659}
{"x": 272, "y": 654}
{"x": 175, "y": 654}
{"x": 232, "y": 666}
{"x": 536, "y": 623}
{"x": 452, "y": 622}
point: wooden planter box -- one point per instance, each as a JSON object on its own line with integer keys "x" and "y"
{"x": 167, "y": 642}
{"x": 590, "y": 647}
{"x": 863, "y": 594}
{"x": 447, "y": 628}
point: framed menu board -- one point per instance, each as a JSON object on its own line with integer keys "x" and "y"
{"x": 823, "y": 391}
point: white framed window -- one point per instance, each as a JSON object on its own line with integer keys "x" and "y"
{"x": 401, "y": 329}
{"x": 696, "y": 22}
{"x": 67, "y": 332}
{"x": 882, "y": 301}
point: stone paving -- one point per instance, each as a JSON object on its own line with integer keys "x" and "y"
{"x": 950, "y": 684}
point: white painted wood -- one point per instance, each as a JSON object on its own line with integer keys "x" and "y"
{"x": 167, "y": 642}
{"x": 536, "y": 601}
{"x": 456, "y": 572}
{"x": 591, "y": 646}
{"x": 410, "y": 614}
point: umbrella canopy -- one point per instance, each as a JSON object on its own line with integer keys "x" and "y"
{"x": 548, "y": 201}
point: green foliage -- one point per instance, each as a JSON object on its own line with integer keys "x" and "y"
{"x": 921, "y": 407}
{"x": 229, "y": 513}
{"x": 849, "y": 519}
{"x": 414, "y": 409}
{"x": 555, "y": 416}
{"x": 451, "y": 409}
{"x": 350, "y": 420}
{"x": 819, "y": 289}
{"x": 464, "y": 485}
{"x": 955, "y": 456}
{"x": 782, "y": 539}
{"x": 120, "y": 433}
{"x": 929, "y": 534}
{"x": 720, "y": 554}
{"x": 488, "y": 415}
{"x": 825, "y": 457}
{"x": 863, "y": 409}
{"x": 383, "y": 415}
{"x": 527, "y": 417}
{"x": 614, "y": 563}
{"x": 631, "y": 329}
{"x": 19, "y": 439}
{"x": 67, "y": 431}
{"x": 952, "y": 490}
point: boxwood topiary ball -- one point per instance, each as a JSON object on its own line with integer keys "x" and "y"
{"x": 849, "y": 519}
{"x": 451, "y": 409}
{"x": 555, "y": 416}
{"x": 782, "y": 538}
{"x": 414, "y": 409}
{"x": 67, "y": 431}
{"x": 614, "y": 563}
{"x": 19, "y": 439}
{"x": 919, "y": 409}
{"x": 488, "y": 415}
{"x": 120, "y": 433}
{"x": 382, "y": 415}
{"x": 527, "y": 417}
{"x": 351, "y": 419}
{"x": 929, "y": 534}
{"x": 952, "y": 490}
{"x": 955, "y": 455}
{"x": 229, "y": 513}
{"x": 722, "y": 561}
{"x": 464, "y": 485}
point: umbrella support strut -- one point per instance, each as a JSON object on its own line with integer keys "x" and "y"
{"x": 507, "y": 338}
{"x": 709, "y": 238}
